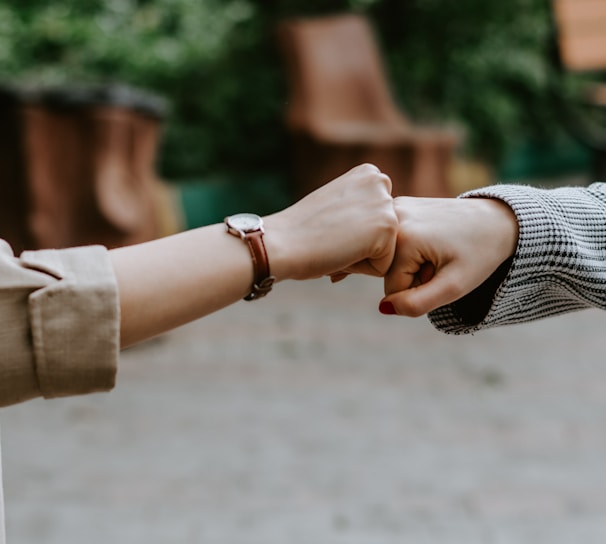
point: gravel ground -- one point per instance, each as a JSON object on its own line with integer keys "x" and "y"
{"x": 309, "y": 418}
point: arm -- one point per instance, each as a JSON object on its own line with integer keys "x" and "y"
{"x": 537, "y": 253}
{"x": 65, "y": 313}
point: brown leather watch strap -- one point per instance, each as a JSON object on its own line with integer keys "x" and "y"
{"x": 263, "y": 281}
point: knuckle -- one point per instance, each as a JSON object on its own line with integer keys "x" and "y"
{"x": 391, "y": 225}
{"x": 369, "y": 167}
{"x": 386, "y": 181}
{"x": 375, "y": 174}
{"x": 406, "y": 239}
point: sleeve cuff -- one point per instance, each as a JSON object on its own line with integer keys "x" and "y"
{"x": 74, "y": 321}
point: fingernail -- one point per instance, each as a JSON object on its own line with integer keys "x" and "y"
{"x": 387, "y": 308}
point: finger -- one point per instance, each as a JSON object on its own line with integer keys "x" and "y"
{"x": 338, "y": 276}
{"x": 440, "y": 290}
{"x": 382, "y": 265}
{"x": 426, "y": 272}
{"x": 401, "y": 276}
{"x": 364, "y": 267}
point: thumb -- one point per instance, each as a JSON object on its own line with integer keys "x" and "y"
{"x": 440, "y": 290}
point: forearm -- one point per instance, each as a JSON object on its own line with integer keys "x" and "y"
{"x": 559, "y": 265}
{"x": 171, "y": 281}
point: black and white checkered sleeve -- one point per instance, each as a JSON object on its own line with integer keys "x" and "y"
{"x": 559, "y": 265}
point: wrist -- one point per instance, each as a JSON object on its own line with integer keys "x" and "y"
{"x": 503, "y": 224}
{"x": 508, "y": 227}
{"x": 249, "y": 228}
{"x": 282, "y": 258}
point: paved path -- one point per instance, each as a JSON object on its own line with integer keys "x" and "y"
{"x": 308, "y": 418}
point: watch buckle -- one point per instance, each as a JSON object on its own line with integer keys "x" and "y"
{"x": 260, "y": 290}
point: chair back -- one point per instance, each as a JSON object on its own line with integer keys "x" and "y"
{"x": 335, "y": 72}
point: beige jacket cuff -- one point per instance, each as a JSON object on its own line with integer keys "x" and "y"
{"x": 74, "y": 321}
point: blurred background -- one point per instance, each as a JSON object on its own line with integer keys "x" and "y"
{"x": 222, "y": 74}
{"x": 306, "y": 417}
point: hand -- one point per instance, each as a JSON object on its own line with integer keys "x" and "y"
{"x": 348, "y": 225}
{"x": 445, "y": 249}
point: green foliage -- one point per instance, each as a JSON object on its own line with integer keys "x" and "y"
{"x": 484, "y": 64}
{"x": 481, "y": 64}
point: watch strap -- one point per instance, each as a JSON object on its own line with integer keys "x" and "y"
{"x": 263, "y": 281}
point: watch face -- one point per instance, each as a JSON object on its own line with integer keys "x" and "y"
{"x": 246, "y": 222}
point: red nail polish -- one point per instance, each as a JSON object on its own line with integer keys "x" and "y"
{"x": 387, "y": 308}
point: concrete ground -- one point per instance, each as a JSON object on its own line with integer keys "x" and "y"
{"x": 308, "y": 418}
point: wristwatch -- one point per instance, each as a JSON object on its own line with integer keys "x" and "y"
{"x": 249, "y": 227}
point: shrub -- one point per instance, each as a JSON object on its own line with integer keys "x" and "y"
{"x": 480, "y": 64}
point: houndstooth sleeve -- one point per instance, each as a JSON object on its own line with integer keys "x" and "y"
{"x": 559, "y": 265}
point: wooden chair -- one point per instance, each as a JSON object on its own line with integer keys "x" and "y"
{"x": 341, "y": 112}
{"x": 579, "y": 84}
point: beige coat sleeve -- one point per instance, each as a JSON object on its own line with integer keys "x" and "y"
{"x": 59, "y": 323}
